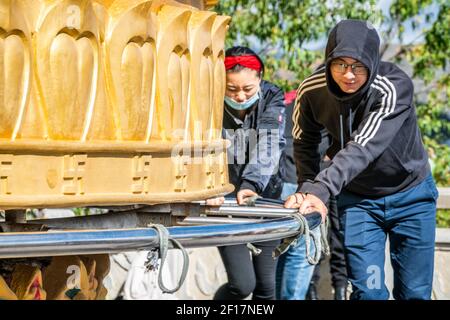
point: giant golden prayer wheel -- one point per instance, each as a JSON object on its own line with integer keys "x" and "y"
{"x": 110, "y": 102}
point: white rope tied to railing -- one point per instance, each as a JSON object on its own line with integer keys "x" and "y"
{"x": 308, "y": 235}
{"x": 161, "y": 253}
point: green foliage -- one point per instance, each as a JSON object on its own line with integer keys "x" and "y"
{"x": 443, "y": 218}
{"x": 79, "y": 212}
{"x": 84, "y": 211}
{"x": 430, "y": 61}
{"x": 32, "y": 214}
{"x": 282, "y": 31}
{"x": 405, "y": 9}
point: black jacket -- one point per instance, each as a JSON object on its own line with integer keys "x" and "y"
{"x": 377, "y": 148}
{"x": 257, "y": 142}
{"x": 288, "y": 170}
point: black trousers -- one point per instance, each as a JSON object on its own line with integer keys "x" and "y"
{"x": 246, "y": 274}
{"x": 338, "y": 267}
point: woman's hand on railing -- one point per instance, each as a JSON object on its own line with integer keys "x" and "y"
{"x": 243, "y": 195}
{"x": 215, "y": 201}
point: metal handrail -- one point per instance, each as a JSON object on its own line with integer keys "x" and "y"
{"x": 74, "y": 242}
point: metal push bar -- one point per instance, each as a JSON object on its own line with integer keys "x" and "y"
{"x": 211, "y": 228}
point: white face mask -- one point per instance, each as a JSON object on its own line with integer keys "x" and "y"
{"x": 242, "y": 105}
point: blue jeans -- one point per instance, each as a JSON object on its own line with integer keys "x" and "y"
{"x": 288, "y": 189}
{"x": 293, "y": 270}
{"x": 409, "y": 218}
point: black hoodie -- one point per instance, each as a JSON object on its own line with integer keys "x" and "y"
{"x": 377, "y": 149}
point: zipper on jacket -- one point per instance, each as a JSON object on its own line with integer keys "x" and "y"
{"x": 350, "y": 123}
{"x": 341, "y": 126}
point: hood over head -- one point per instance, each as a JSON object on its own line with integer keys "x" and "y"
{"x": 356, "y": 39}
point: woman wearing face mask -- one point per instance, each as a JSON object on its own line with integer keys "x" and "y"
{"x": 254, "y": 122}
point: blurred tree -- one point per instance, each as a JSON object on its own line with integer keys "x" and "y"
{"x": 290, "y": 36}
{"x": 282, "y": 31}
{"x": 430, "y": 58}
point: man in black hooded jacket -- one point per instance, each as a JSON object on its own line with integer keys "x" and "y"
{"x": 379, "y": 168}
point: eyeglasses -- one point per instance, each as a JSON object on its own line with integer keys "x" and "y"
{"x": 341, "y": 67}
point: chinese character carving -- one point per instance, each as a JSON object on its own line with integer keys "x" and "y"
{"x": 74, "y": 169}
{"x": 6, "y": 162}
{"x": 209, "y": 170}
{"x": 181, "y": 173}
{"x": 141, "y": 174}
